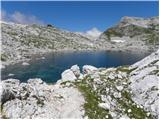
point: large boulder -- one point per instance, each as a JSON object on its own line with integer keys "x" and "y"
{"x": 76, "y": 70}
{"x": 88, "y": 69}
{"x": 68, "y": 75}
{"x": 144, "y": 80}
{"x": 9, "y": 89}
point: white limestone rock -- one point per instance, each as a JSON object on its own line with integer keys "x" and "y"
{"x": 9, "y": 89}
{"x": 62, "y": 102}
{"x": 144, "y": 82}
{"x": 119, "y": 88}
{"x": 111, "y": 76}
{"x": 80, "y": 76}
{"x": 88, "y": 69}
{"x": 117, "y": 95}
{"x": 129, "y": 110}
{"x": 68, "y": 75}
{"x": 76, "y": 70}
{"x": 104, "y": 105}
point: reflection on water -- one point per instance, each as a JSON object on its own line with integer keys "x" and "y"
{"x": 50, "y": 68}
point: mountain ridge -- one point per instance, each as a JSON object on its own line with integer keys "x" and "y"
{"x": 27, "y": 40}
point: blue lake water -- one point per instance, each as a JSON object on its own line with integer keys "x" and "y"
{"x": 50, "y": 68}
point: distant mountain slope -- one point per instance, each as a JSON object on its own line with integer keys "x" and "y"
{"x": 132, "y": 33}
{"x": 20, "y": 41}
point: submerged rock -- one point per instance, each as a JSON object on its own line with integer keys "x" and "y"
{"x": 25, "y": 64}
{"x": 10, "y": 74}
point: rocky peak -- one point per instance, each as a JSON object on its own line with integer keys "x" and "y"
{"x": 137, "y": 21}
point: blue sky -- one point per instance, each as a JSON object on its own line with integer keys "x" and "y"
{"x": 77, "y": 16}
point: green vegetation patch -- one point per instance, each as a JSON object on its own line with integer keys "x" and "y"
{"x": 125, "y": 69}
{"x": 127, "y": 103}
{"x": 92, "y": 110}
{"x": 111, "y": 32}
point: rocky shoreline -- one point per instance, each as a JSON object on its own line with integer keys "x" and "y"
{"x": 122, "y": 92}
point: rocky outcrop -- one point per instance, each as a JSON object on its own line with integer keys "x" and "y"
{"x": 71, "y": 74}
{"x": 20, "y": 42}
{"x": 144, "y": 83}
{"x": 132, "y": 33}
{"x": 68, "y": 75}
{"x": 88, "y": 69}
{"x": 76, "y": 70}
{"x": 36, "y": 99}
{"x": 122, "y": 92}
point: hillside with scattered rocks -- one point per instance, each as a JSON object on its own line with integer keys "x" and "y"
{"x": 122, "y": 92}
{"x": 20, "y": 42}
{"x": 132, "y": 33}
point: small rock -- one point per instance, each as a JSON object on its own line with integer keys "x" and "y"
{"x": 98, "y": 81}
{"x": 124, "y": 117}
{"x": 141, "y": 106}
{"x": 43, "y": 58}
{"x": 113, "y": 114}
{"x": 119, "y": 88}
{"x": 129, "y": 111}
{"x": 107, "y": 116}
{"x": 124, "y": 83}
{"x": 10, "y": 74}
{"x": 104, "y": 105}
{"x": 111, "y": 76}
{"x": 117, "y": 95}
{"x": 148, "y": 114}
{"x": 107, "y": 89}
{"x": 119, "y": 76}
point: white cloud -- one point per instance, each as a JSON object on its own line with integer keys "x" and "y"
{"x": 18, "y": 17}
{"x": 93, "y": 33}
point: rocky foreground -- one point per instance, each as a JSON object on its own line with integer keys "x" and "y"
{"x": 122, "y": 92}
